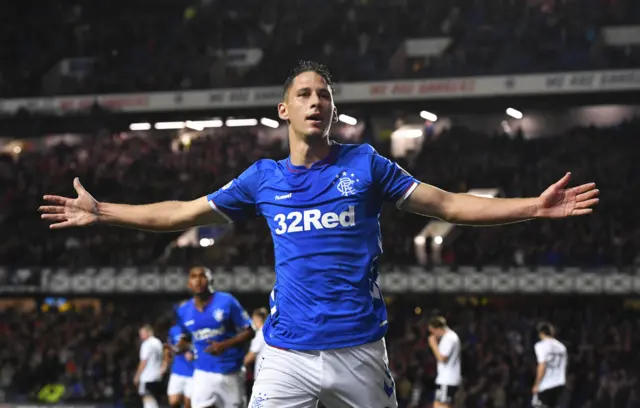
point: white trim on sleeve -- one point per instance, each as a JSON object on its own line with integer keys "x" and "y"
{"x": 219, "y": 211}
{"x": 406, "y": 194}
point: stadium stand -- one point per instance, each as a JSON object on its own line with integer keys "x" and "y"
{"x": 125, "y": 47}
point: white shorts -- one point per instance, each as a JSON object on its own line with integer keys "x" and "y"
{"x": 179, "y": 385}
{"x": 221, "y": 390}
{"x": 342, "y": 378}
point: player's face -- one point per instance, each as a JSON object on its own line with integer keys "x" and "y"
{"x": 257, "y": 321}
{"x": 198, "y": 282}
{"x": 143, "y": 334}
{"x": 308, "y": 106}
{"x": 436, "y": 331}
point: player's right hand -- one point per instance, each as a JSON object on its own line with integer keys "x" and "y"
{"x": 68, "y": 212}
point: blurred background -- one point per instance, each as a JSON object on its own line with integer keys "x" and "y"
{"x": 170, "y": 99}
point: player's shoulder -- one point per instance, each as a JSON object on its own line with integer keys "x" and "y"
{"x": 541, "y": 345}
{"x": 264, "y": 165}
{"x": 452, "y": 335}
{"x": 184, "y": 306}
{"x": 357, "y": 156}
{"x": 150, "y": 342}
{"x": 356, "y": 150}
{"x": 559, "y": 344}
{"x": 225, "y": 297}
{"x": 184, "y": 309}
{"x": 259, "y": 169}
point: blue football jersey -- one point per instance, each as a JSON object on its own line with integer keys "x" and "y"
{"x": 180, "y": 365}
{"x": 326, "y": 235}
{"x": 221, "y": 318}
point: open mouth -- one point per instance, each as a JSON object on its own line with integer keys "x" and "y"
{"x": 316, "y": 117}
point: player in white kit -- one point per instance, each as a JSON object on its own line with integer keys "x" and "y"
{"x": 551, "y": 371}
{"x": 445, "y": 345}
{"x": 254, "y": 356}
{"x": 149, "y": 374}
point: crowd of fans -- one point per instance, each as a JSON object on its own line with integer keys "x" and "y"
{"x": 116, "y": 169}
{"x": 93, "y": 353}
{"x": 147, "y": 46}
{"x": 463, "y": 160}
{"x": 135, "y": 170}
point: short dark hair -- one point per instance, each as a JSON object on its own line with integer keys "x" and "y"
{"x": 546, "y": 328}
{"x": 261, "y": 313}
{"x": 438, "y": 322}
{"x": 308, "y": 66}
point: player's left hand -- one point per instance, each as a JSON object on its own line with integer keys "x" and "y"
{"x": 535, "y": 390}
{"x": 557, "y": 201}
{"x": 215, "y": 348}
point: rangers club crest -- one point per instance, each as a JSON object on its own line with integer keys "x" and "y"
{"x": 218, "y": 314}
{"x": 346, "y": 184}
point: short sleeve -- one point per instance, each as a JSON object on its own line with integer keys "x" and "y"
{"x": 144, "y": 351}
{"x": 257, "y": 344}
{"x": 540, "y": 354}
{"x": 394, "y": 182}
{"x": 446, "y": 345}
{"x": 239, "y": 316}
{"x": 237, "y": 200}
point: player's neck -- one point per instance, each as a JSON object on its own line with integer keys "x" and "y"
{"x": 306, "y": 152}
{"x": 201, "y": 299}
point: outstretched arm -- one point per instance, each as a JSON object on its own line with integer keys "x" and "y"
{"x": 159, "y": 217}
{"x": 466, "y": 209}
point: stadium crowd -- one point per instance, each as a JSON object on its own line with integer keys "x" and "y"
{"x": 121, "y": 46}
{"x": 135, "y": 170}
{"x": 93, "y": 353}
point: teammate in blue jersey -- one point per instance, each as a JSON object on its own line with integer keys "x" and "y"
{"x": 180, "y": 384}
{"x": 328, "y": 319}
{"x": 216, "y": 327}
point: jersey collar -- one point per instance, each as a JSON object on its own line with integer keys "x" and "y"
{"x": 205, "y": 304}
{"x": 330, "y": 159}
